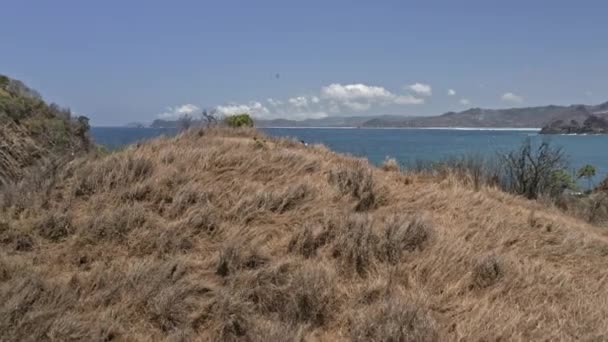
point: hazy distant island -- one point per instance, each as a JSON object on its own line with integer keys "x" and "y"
{"x": 136, "y": 125}
{"x": 594, "y": 124}
{"x": 529, "y": 117}
{"x": 552, "y": 119}
{"x": 160, "y": 123}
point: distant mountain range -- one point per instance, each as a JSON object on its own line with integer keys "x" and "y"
{"x": 528, "y": 117}
{"x": 557, "y": 119}
{"x": 343, "y": 121}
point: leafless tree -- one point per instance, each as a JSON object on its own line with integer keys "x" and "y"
{"x": 209, "y": 117}
{"x": 184, "y": 122}
{"x": 532, "y": 171}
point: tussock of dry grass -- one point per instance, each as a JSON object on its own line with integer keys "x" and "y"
{"x": 487, "y": 271}
{"x": 401, "y": 235}
{"x": 356, "y": 180}
{"x": 394, "y": 320}
{"x": 390, "y": 164}
{"x": 210, "y": 236}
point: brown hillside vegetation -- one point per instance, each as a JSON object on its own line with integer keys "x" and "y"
{"x": 35, "y": 135}
{"x": 228, "y": 235}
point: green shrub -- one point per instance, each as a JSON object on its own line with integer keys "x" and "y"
{"x": 4, "y": 81}
{"x": 239, "y": 120}
{"x": 561, "y": 180}
{"x": 587, "y": 172}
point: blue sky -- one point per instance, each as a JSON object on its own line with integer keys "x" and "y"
{"x": 122, "y": 61}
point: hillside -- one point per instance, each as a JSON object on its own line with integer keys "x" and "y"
{"x": 529, "y": 117}
{"x": 232, "y": 236}
{"x": 34, "y": 133}
{"x": 593, "y": 124}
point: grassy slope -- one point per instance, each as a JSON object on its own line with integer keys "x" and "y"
{"x": 32, "y": 133}
{"x": 216, "y": 236}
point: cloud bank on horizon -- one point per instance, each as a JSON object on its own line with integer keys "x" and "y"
{"x": 335, "y": 99}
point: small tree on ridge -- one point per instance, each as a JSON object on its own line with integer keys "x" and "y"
{"x": 588, "y": 172}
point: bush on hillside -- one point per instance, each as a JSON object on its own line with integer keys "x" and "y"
{"x": 472, "y": 169}
{"x": 355, "y": 245}
{"x": 531, "y": 171}
{"x": 390, "y": 164}
{"x": 51, "y": 130}
{"x": 603, "y": 185}
{"x": 239, "y": 120}
{"x": 4, "y": 81}
{"x": 19, "y": 102}
{"x": 358, "y": 181}
{"x": 487, "y": 271}
{"x": 587, "y": 172}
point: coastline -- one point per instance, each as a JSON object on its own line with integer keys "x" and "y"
{"x": 527, "y": 129}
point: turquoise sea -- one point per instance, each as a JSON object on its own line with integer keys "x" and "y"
{"x": 406, "y": 145}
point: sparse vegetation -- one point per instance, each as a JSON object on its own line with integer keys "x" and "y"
{"x": 184, "y": 122}
{"x": 538, "y": 173}
{"x": 231, "y": 242}
{"x": 357, "y": 181}
{"x": 390, "y": 164}
{"x": 587, "y": 172}
{"x": 239, "y": 120}
{"x": 34, "y": 133}
{"x": 530, "y": 170}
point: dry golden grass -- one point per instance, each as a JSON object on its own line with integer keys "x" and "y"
{"x": 228, "y": 235}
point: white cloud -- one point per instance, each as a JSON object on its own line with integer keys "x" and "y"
{"x": 360, "y": 97}
{"x": 421, "y": 89}
{"x": 407, "y": 100}
{"x": 294, "y": 110}
{"x": 510, "y": 97}
{"x": 300, "y": 101}
{"x": 255, "y": 109}
{"x": 451, "y": 92}
{"x": 335, "y": 99}
{"x": 355, "y": 92}
{"x": 274, "y": 102}
{"x": 176, "y": 112}
{"x": 464, "y": 102}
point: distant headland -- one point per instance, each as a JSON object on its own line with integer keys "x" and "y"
{"x": 528, "y": 117}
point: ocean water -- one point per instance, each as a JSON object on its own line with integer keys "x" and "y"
{"x": 117, "y": 137}
{"x": 408, "y": 146}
